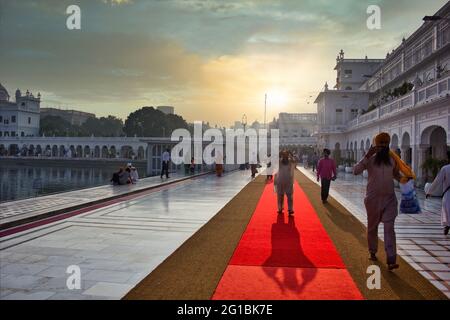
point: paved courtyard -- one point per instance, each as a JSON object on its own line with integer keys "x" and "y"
{"x": 420, "y": 237}
{"x": 114, "y": 246}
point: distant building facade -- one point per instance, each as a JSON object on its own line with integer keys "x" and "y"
{"x": 407, "y": 94}
{"x": 296, "y": 129}
{"x": 166, "y": 109}
{"x": 74, "y": 117}
{"x": 19, "y": 117}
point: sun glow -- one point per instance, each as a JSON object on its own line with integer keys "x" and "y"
{"x": 277, "y": 98}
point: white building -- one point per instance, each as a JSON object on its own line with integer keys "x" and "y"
{"x": 19, "y": 118}
{"x": 296, "y": 129}
{"x": 74, "y": 117}
{"x": 407, "y": 95}
{"x": 166, "y": 109}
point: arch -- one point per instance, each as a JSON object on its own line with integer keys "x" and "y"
{"x": 126, "y": 152}
{"x": 38, "y": 150}
{"x": 13, "y": 149}
{"x": 24, "y": 150}
{"x": 141, "y": 153}
{"x": 337, "y": 153}
{"x": 394, "y": 141}
{"x": 48, "y": 151}
{"x": 113, "y": 152}
{"x": 105, "y": 152}
{"x": 71, "y": 152}
{"x": 406, "y": 140}
{"x": 79, "y": 152}
{"x": 62, "y": 151}
{"x": 406, "y": 153}
{"x": 55, "y": 151}
{"x": 96, "y": 152}
{"x": 87, "y": 152}
{"x": 435, "y": 137}
{"x": 368, "y": 144}
{"x": 31, "y": 150}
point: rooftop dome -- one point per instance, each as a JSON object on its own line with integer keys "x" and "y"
{"x": 4, "y": 96}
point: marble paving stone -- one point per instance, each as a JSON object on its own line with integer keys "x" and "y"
{"x": 23, "y": 269}
{"x": 113, "y": 290}
{"x": 436, "y": 267}
{"x": 444, "y": 275}
{"x": 424, "y": 259}
{"x": 107, "y": 275}
{"x": 35, "y": 295}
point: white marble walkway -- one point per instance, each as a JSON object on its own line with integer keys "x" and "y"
{"x": 12, "y": 211}
{"x": 420, "y": 237}
{"x": 114, "y": 246}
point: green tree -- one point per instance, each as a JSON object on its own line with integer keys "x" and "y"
{"x": 56, "y": 126}
{"x": 103, "y": 127}
{"x": 150, "y": 122}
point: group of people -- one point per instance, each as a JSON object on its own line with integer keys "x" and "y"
{"x": 127, "y": 175}
{"x": 383, "y": 167}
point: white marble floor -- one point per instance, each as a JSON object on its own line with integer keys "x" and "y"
{"x": 420, "y": 237}
{"x": 16, "y": 210}
{"x": 114, "y": 246}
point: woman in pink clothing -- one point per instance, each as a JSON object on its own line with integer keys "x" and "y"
{"x": 326, "y": 171}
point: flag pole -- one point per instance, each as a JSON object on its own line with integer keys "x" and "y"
{"x": 265, "y": 110}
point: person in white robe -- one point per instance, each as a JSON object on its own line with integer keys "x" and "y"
{"x": 442, "y": 184}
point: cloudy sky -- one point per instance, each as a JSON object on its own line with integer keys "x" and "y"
{"x": 212, "y": 59}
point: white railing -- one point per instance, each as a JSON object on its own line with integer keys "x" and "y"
{"x": 332, "y": 128}
{"x": 298, "y": 141}
{"x": 438, "y": 88}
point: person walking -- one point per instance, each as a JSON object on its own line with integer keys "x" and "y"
{"x": 284, "y": 181}
{"x": 315, "y": 161}
{"x": 326, "y": 172}
{"x": 442, "y": 183}
{"x": 165, "y": 159}
{"x": 380, "y": 201}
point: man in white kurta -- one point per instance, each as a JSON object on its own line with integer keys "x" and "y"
{"x": 442, "y": 184}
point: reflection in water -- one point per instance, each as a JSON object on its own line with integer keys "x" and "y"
{"x": 25, "y": 181}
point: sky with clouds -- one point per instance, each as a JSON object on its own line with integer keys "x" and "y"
{"x": 212, "y": 59}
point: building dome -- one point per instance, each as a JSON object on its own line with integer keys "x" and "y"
{"x": 4, "y": 96}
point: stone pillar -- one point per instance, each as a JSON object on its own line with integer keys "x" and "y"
{"x": 421, "y": 156}
{"x": 150, "y": 159}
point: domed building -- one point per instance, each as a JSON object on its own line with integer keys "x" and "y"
{"x": 21, "y": 117}
{"x": 4, "y": 96}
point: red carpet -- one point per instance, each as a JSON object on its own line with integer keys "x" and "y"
{"x": 276, "y": 240}
{"x": 280, "y": 257}
{"x": 271, "y": 283}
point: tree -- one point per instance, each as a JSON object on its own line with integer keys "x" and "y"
{"x": 103, "y": 127}
{"x": 150, "y": 122}
{"x": 55, "y": 126}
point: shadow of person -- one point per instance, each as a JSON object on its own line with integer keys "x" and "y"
{"x": 287, "y": 256}
{"x": 346, "y": 222}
